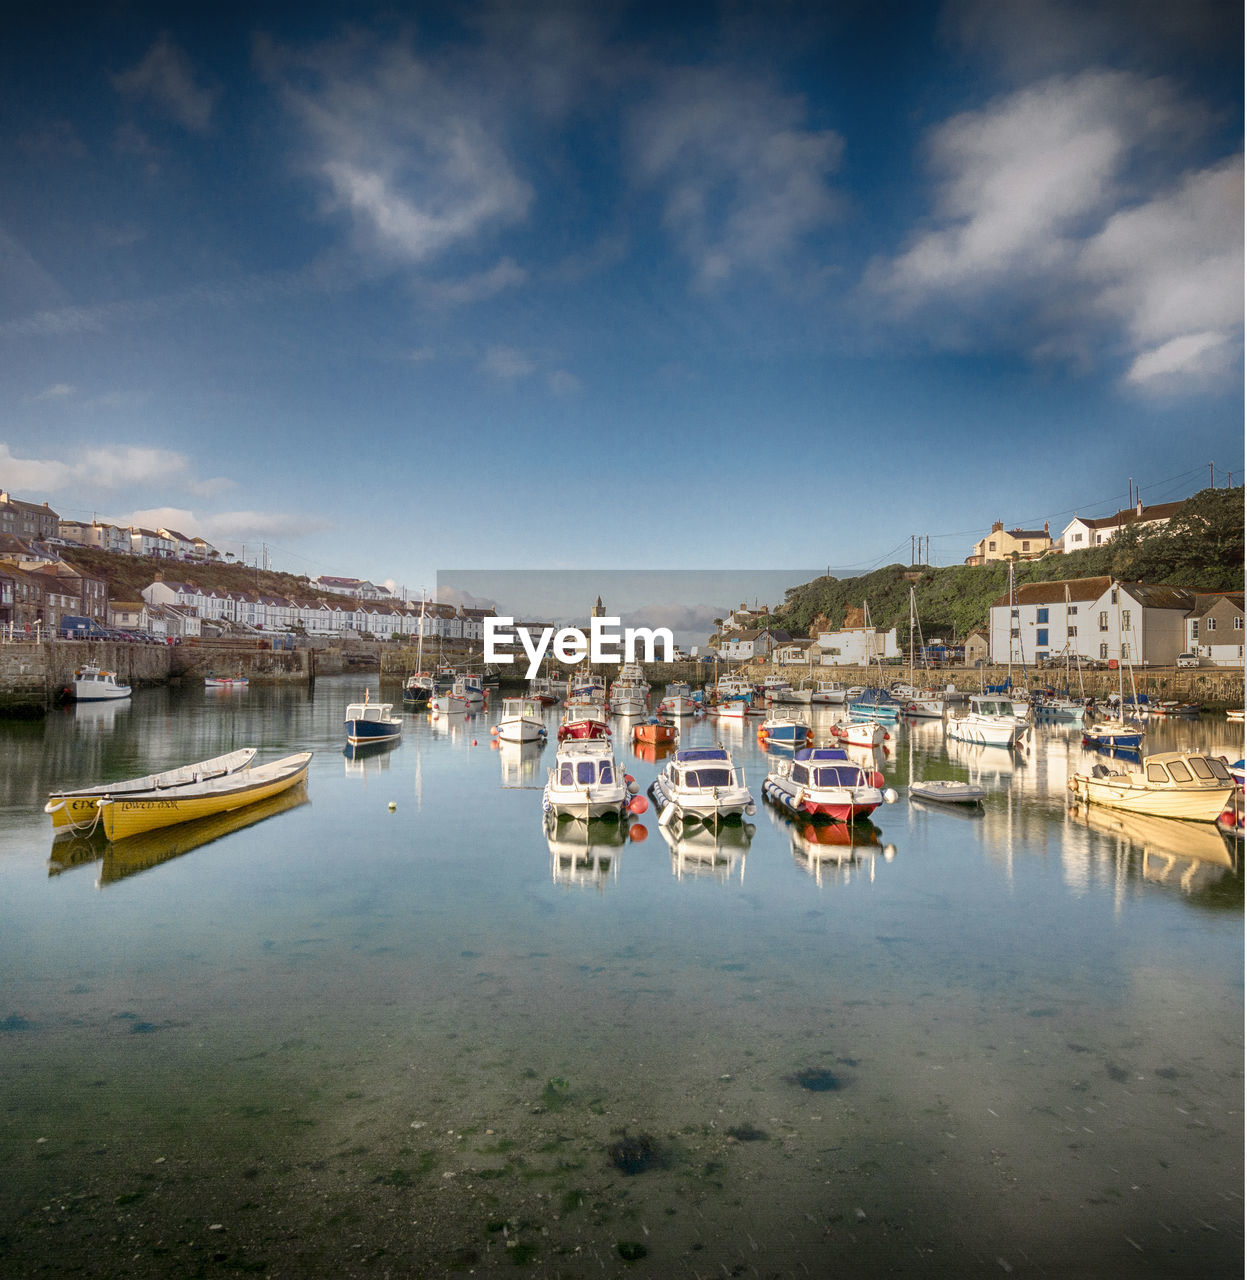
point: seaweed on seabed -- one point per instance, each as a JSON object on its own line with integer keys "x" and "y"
{"x": 816, "y": 1079}
{"x": 637, "y": 1153}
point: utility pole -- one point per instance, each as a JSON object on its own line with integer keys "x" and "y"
{"x": 1211, "y": 481}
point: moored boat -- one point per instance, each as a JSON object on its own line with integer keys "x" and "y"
{"x": 1114, "y": 733}
{"x": 522, "y": 720}
{"x": 225, "y": 682}
{"x": 701, "y": 783}
{"x": 677, "y": 700}
{"x": 92, "y": 684}
{"x": 781, "y": 730}
{"x": 368, "y": 722}
{"x": 1172, "y": 784}
{"x": 824, "y": 783}
{"x": 73, "y": 809}
{"x": 828, "y": 693}
{"x": 990, "y": 722}
{"x": 858, "y": 733}
{"x": 418, "y": 688}
{"x": 128, "y": 815}
{"x": 655, "y": 732}
{"x": 947, "y": 791}
{"x": 583, "y": 718}
{"x": 586, "y": 781}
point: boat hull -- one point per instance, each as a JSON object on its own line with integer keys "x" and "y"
{"x": 839, "y": 804}
{"x": 521, "y": 730}
{"x": 364, "y": 732}
{"x": 148, "y": 811}
{"x": 1114, "y": 793}
{"x": 76, "y": 808}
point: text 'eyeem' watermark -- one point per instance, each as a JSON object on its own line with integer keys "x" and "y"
{"x": 571, "y": 645}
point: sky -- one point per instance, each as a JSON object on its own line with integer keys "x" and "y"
{"x": 374, "y": 291}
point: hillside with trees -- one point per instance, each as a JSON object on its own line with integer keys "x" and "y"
{"x": 128, "y": 575}
{"x": 1202, "y": 549}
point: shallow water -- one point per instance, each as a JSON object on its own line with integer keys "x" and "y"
{"x": 346, "y": 1039}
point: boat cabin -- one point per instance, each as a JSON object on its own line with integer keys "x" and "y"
{"x": 702, "y": 768}
{"x": 586, "y": 770}
{"x": 991, "y": 706}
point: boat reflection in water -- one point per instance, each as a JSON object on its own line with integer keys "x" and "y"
{"x": 586, "y": 853}
{"x": 101, "y": 717}
{"x": 368, "y": 758}
{"x": 653, "y": 752}
{"x": 699, "y": 850}
{"x": 834, "y": 852}
{"x": 521, "y": 763}
{"x": 1187, "y": 856}
{"x": 124, "y": 858}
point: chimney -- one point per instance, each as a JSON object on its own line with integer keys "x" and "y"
{"x": 1139, "y": 509}
{"x": 1045, "y": 526}
{"x": 998, "y": 527}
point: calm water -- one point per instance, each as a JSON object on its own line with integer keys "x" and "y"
{"x": 350, "y": 1039}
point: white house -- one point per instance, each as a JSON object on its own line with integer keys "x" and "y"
{"x": 1092, "y": 618}
{"x": 183, "y": 547}
{"x": 150, "y": 542}
{"x": 855, "y": 644}
{"x": 794, "y": 653}
{"x": 1086, "y": 531}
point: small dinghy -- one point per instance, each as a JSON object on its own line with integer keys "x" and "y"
{"x": 948, "y": 792}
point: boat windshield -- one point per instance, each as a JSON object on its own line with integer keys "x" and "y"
{"x": 705, "y": 778}
{"x": 842, "y": 776}
{"x": 1180, "y": 772}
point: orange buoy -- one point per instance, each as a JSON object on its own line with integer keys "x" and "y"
{"x": 637, "y": 832}
{"x": 638, "y": 804}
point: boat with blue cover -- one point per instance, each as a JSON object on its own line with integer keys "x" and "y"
{"x": 701, "y": 783}
{"x": 822, "y": 782}
{"x": 875, "y": 704}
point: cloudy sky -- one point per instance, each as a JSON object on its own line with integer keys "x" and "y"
{"x": 382, "y": 291}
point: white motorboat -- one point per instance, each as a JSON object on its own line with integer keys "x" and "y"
{"x": 828, "y": 693}
{"x": 677, "y": 700}
{"x": 701, "y": 783}
{"x": 586, "y": 781}
{"x": 471, "y": 689}
{"x": 629, "y": 697}
{"x": 521, "y": 721}
{"x": 824, "y": 783}
{"x": 989, "y": 722}
{"x": 91, "y": 684}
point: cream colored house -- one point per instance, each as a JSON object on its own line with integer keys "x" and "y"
{"x": 1010, "y": 544}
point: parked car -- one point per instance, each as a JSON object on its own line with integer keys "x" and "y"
{"x": 1188, "y": 660}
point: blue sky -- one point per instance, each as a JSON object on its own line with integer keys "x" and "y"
{"x": 574, "y": 286}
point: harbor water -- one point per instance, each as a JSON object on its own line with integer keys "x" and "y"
{"x": 392, "y": 1024}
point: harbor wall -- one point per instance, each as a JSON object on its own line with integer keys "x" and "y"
{"x": 35, "y": 675}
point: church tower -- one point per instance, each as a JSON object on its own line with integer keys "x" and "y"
{"x": 598, "y": 610}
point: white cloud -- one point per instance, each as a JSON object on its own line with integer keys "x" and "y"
{"x": 166, "y": 78}
{"x": 1060, "y": 229}
{"x": 1193, "y": 355}
{"x": 507, "y": 363}
{"x": 32, "y": 473}
{"x": 563, "y": 383}
{"x": 1171, "y": 271}
{"x": 1018, "y": 181}
{"x": 746, "y": 179}
{"x": 58, "y": 391}
{"x": 407, "y": 150}
{"x": 503, "y": 275}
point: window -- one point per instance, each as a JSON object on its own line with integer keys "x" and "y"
{"x": 1026, "y": 546}
{"x": 1238, "y": 624}
{"x": 1125, "y": 620}
{"x": 1104, "y": 621}
{"x": 1071, "y": 609}
{"x": 1071, "y": 631}
{"x": 1125, "y": 649}
{"x": 1210, "y": 624}
{"x": 1104, "y": 651}
{"x": 1075, "y": 537}
{"x": 1041, "y": 637}
{"x": 1041, "y": 615}
{"x": 1112, "y": 599}
{"x": 991, "y": 546}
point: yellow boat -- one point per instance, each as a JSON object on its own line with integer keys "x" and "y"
{"x": 1173, "y": 784}
{"x": 142, "y": 852}
{"x": 129, "y": 815}
{"x": 79, "y": 809}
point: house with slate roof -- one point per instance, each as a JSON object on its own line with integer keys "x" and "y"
{"x": 1010, "y": 544}
{"x": 1086, "y": 531}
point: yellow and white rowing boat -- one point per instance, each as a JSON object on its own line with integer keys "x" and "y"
{"x": 76, "y": 809}
{"x": 127, "y": 815}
